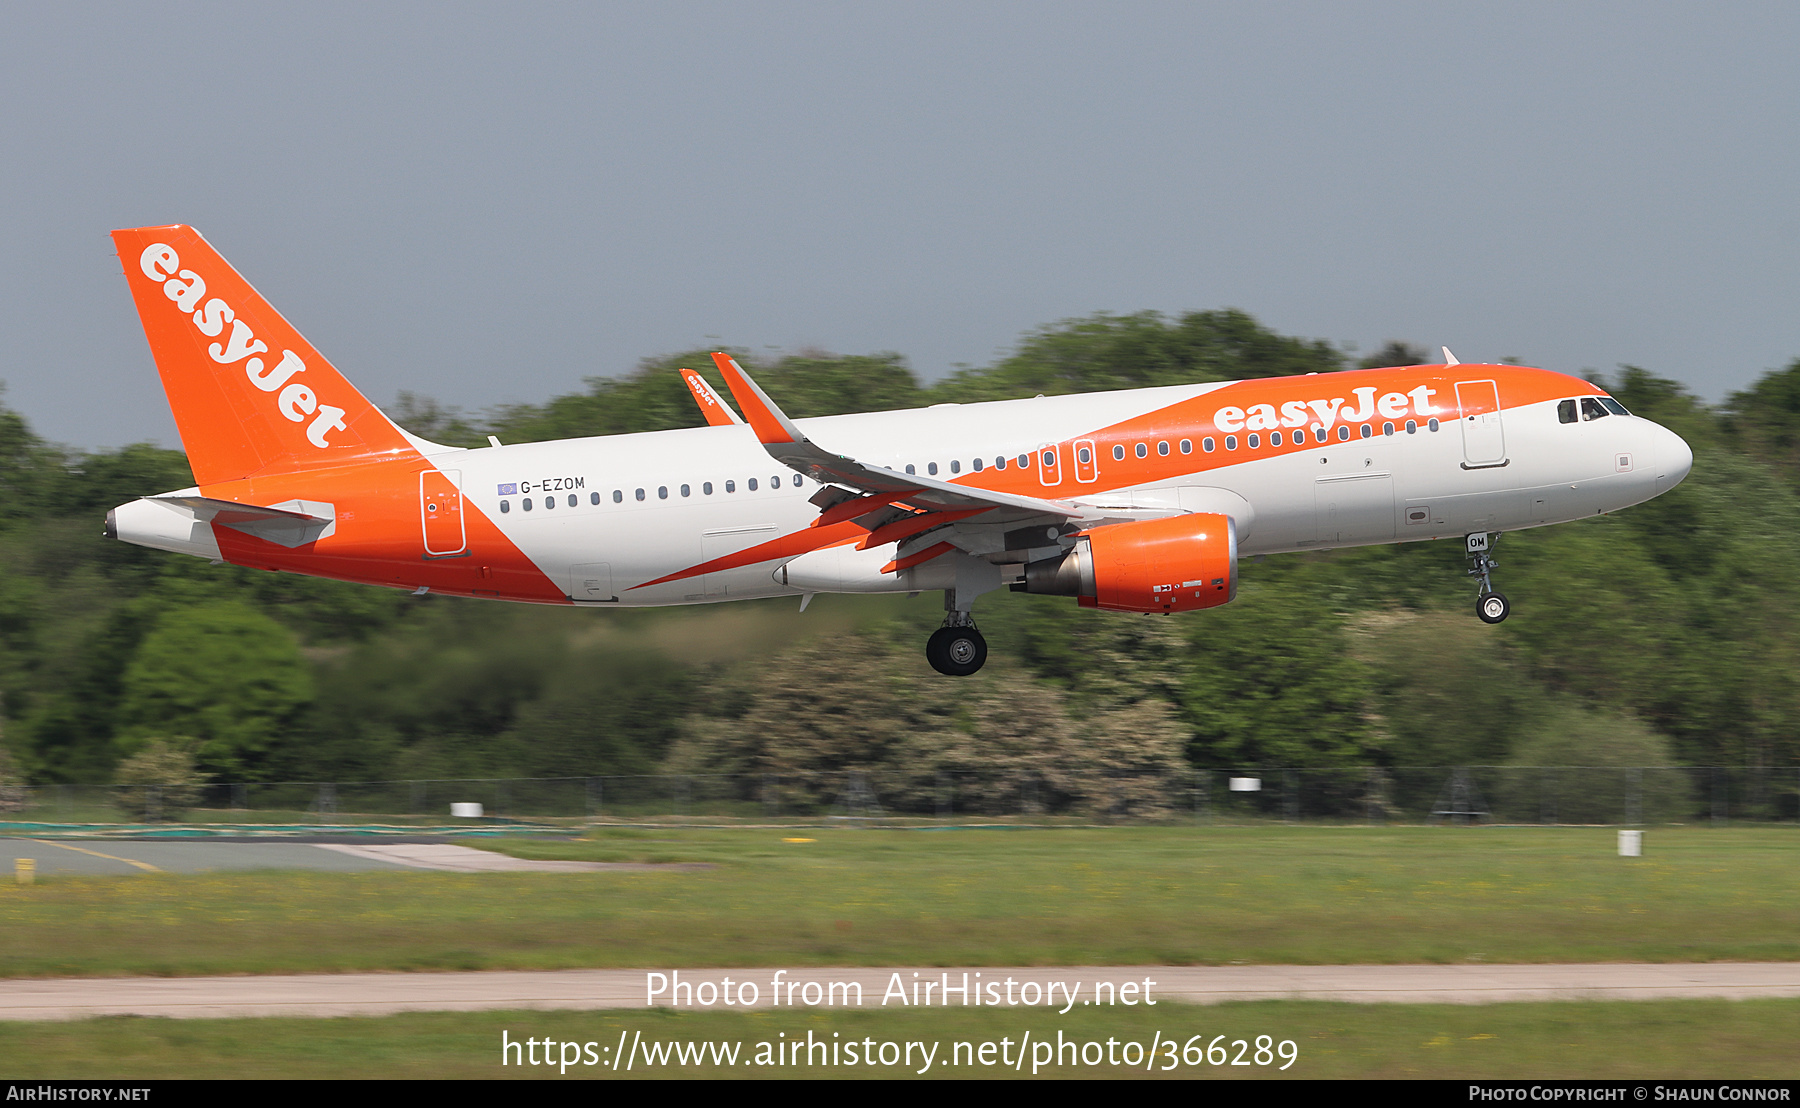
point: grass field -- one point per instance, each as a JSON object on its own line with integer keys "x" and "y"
{"x": 955, "y": 897}
{"x": 1736, "y": 1040}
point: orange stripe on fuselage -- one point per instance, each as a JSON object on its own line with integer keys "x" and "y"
{"x": 379, "y": 538}
{"x": 1193, "y": 419}
{"x": 787, "y": 546}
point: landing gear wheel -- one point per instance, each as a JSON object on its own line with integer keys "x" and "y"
{"x": 1490, "y": 606}
{"x": 956, "y": 651}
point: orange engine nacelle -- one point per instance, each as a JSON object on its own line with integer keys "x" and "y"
{"x": 1175, "y": 564}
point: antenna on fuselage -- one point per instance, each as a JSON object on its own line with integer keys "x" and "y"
{"x": 1449, "y": 358}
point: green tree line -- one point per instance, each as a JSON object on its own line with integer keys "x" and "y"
{"x": 1665, "y": 634}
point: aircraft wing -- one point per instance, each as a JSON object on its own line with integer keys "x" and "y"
{"x": 878, "y": 487}
{"x": 717, "y": 412}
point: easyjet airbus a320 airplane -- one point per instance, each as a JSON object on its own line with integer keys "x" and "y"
{"x": 1141, "y": 500}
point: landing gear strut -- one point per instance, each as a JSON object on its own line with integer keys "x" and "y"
{"x": 1490, "y": 606}
{"x": 956, "y": 649}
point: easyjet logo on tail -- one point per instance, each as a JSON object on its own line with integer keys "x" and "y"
{"x": 295, "y": 401}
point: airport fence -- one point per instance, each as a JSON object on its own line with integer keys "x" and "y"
{"x": 1415, "y": 794}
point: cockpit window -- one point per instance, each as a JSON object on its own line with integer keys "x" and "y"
{"x": 1565, "y": 412}
{"x": 1613, "y": 406}
{"x": 1592, "y": 409}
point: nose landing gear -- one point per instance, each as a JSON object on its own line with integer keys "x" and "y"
{"x": 1490, "y": 606}
{"x": 956, "y": 649}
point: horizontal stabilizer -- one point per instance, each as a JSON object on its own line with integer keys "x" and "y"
{"x": 290, "y": 524}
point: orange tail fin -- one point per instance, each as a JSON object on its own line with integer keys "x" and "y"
{"x": 250, "y": 395}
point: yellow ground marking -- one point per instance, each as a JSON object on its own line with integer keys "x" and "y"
{"x": 798, "y": 840}
{"x": 146, "y": 866}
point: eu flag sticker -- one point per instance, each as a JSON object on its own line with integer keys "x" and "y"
{"x": 510, "y": 490}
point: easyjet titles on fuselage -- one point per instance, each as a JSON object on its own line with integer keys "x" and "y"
{"x": 1322, "y": 414}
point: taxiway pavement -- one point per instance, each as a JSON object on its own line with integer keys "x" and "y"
{"x": 373, "y": 994}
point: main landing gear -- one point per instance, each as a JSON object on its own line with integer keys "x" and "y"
{"x": 1490, "y": 606}
{"x": 956, "y": 649}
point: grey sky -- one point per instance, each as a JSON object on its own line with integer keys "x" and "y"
{"x": 487, "y": 203}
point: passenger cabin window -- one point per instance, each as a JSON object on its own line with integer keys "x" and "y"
{"x": 1412, "y": 426}
{"x": 909, "y": 469}
{"x": 1274, "y": 438}
{"x": 593, "y": 498}
{"x": 1118, "y": 453}
{"x": 1084, "y": 455}
{"x": 1387, "y": 429}
{"x": 1206, "y": 444}
{"x": 706, "y": 487}
{"x": 526, "y": 503}
{"x": 1187, "y": 446}
{"x": 640, "y": 494}
{"x": 505, "y": 506}
{"x": 618, "y": 496}
{"x": 731, "y": 486}
{"x": 1024, "y": 461}
{"x": 549, "y": 501}
{"x": 1367, "y": 430}
{"x": 1432, "y": 423}
{"x": 976, "y": 465}
{"x": 1231, "y": 442}
{"x": 1592, "y": 409}
{"x": 685, "y": 490}
{"x": 1254, "y": 441}
{"x": 1142, "y": 451}
{"x": 1162, "y": 448}
{"x": 931, "y": 469}
{"x": 751, "y": 484}
{"x": 955, "y": 466}
{"x": 574, "y": 500}
{"x": 662, "y": 492}
{"x": 999, "y": 463}
{"x": 1565, "y": 411}
{"x": 1343, "y": 432}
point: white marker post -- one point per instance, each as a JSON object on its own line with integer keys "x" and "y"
{"x": 1631, "y": 844}
{"x": 465, "y": 811}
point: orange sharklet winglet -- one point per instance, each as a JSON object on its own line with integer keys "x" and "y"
{"x": 784, "y": 546}
{"x": 770, "y": 425}
{"x": 712, "y": 406}
{"x": 920, "y": 558}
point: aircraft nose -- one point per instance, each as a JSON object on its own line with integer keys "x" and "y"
{"x": 1676, "y": 460}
